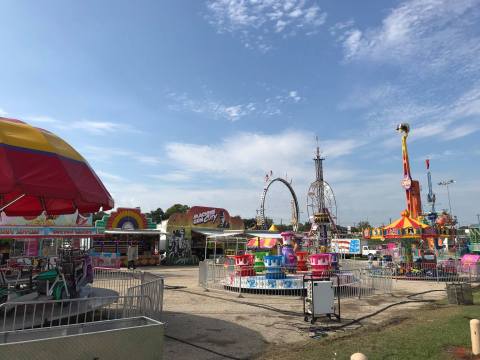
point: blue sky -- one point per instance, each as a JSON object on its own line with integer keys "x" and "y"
{"x": 194, "y": 101}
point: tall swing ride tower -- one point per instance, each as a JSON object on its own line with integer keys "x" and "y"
{"x": 411, "y": 187}
{"x": 321, "y": 205}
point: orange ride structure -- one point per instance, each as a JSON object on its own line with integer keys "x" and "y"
{"x": 412, "y": 187}
{"x": 409, "y": 231}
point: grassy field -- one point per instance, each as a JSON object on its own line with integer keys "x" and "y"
{"x": 437, "y": 331}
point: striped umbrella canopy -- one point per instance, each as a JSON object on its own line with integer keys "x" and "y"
{"x": 404, "y": 227}
{"x": 41, "y": 172}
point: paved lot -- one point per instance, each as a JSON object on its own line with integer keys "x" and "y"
{"x": 219, "y": 325}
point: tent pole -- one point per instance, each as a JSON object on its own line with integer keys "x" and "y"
{"x": 206, "y": 245}
{"x": 12, "y": 202}
{"x": 215, "y": 250}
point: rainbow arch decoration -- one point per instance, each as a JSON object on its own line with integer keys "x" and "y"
{"x": 125, "y": 219}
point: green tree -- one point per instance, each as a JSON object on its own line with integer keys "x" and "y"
{"x": 176, "y": 208}
{"x": 364, "y": 224}
{"x": 156, "y": 215}
{"x": 250, "y": 223}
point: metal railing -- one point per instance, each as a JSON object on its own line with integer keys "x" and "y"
{"x": 244, "y": 280}
{"x": 450, "y": 270}
{"x": 15, "y": 316}
{"x": 139, "y": 294}
{"x": 444, "y": 271}
{"x": 117, "y": 279}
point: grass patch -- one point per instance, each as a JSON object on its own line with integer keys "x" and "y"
{"x": 436, "y": 331}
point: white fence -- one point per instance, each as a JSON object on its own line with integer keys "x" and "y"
{"x": 139, "y": 294}
{"x": 440, "y": 271}
{"x": 348, "y": 283}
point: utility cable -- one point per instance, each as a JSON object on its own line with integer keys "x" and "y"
{"x": 202, "y": 348}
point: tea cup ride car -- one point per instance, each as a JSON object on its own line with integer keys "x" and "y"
{"x": 244, "y": 265}
{"x": 302, "y": 257}
{"x": 259, "y": 265}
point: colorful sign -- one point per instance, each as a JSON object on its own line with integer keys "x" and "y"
{"x": 346, "y": 246}
{"x": 109, "y": 260}
{"x": 207, "y": 217}
{"x": 180, "y": 226}
{"x": 125, "y": 219}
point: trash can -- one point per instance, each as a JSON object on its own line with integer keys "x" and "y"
{"x": 460, "y": 294}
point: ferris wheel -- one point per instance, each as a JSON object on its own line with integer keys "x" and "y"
{"x": 319, "y": 193}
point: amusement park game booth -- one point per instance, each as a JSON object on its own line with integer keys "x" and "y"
{"x": 124, "y": 227}
{"x": 26, "y": 238}
{"x": 188, "y": 232}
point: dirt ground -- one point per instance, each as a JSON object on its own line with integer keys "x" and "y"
{"x": 220, "y": 325}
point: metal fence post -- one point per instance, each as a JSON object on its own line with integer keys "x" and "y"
{"x": 240, "y": 285}
{"x": 361, "y": 283}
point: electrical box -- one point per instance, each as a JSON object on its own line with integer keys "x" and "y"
{"x": 319, "y": 300}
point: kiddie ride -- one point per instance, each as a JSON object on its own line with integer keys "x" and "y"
{"x": 68, "y": 279}
{"x": 264, "y": 272}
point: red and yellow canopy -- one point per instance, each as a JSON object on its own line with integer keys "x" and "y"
{"x": 41, "y": 172}
{"x": 261, "y": 243}
{"x": 405, "y": 227}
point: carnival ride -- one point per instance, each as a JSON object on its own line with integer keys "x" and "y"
{"x": 321, "y": 206}
{"x": 261, "y": 219}
{"x": 412, "y": 187}
{"x": 420, "y": 244}
{"x": 45, "y": 175}
{"x": 274, "y": 263}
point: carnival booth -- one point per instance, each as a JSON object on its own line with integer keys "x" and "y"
{"x": 123, "y": 228}
{"x": 25, "y": 241}
{"x": 188, "y": 234}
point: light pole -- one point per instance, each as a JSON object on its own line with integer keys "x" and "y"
{"x": 478, "y": 218}
{"x": 446, "y": 183}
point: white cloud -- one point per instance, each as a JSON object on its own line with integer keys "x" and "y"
{"x": 256, "y": 21}
{"x": 174, "y": 176}
{"x": 217, "y": 109}
{"x": 3, "y": 112}
{"x": 249, "y": 156}
{"x": 41, "y": 119}
{"x": 433, "y": 33}
{"x": 461, "y": 131}
{"x": 294, "y": 95}
{"x": 100, "y": 127}
{"x": 89, "y": 126}
{"x": 106, "y": 154}
{"x": 106, "y": 176}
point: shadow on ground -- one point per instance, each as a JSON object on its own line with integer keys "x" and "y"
{"x": 196, "y": 337}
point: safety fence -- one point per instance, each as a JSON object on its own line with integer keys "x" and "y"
{"x": 440, "y": 271}
{"x": 347, "y": 283}
{"x": 139, "y": 294}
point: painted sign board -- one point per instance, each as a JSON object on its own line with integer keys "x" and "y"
{"x": 346, "y": 246}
